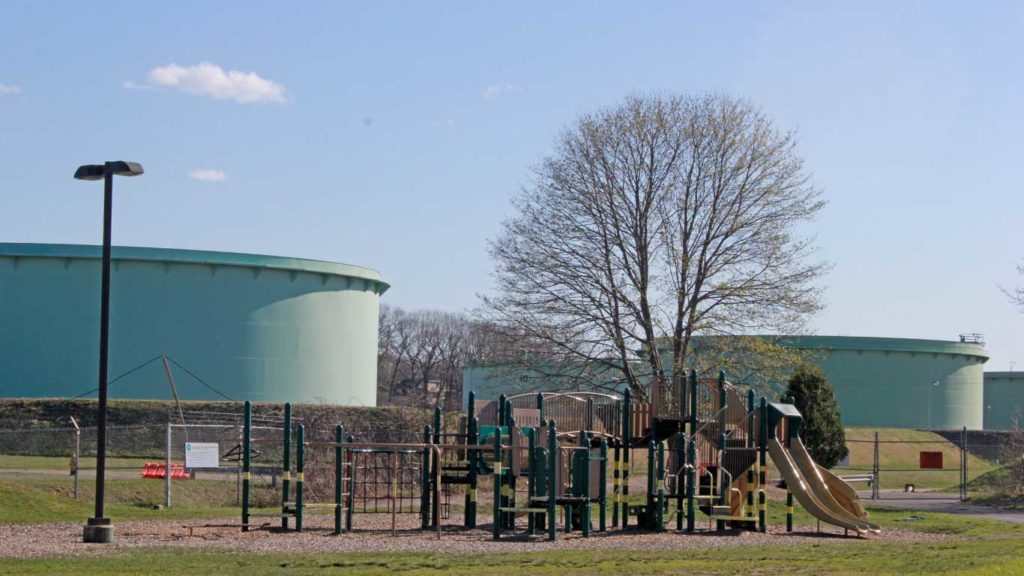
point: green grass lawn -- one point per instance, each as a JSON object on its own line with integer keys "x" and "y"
{"x": 900, "y": 463}
{"x": 8, "y": 462}
{"x": 50, "y": 500}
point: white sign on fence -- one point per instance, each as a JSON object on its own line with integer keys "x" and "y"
{"x": 202, "y": 455}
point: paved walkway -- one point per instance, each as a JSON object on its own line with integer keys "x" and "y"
{"x": 939, "y": 502}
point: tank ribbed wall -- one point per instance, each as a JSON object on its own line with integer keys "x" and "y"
{"x": 1004, "y": 400}
{"x": 254, "y": 327}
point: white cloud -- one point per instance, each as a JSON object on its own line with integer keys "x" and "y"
{"x": 496, "y": 90}
{"x": 208, "y": 175}
{"x": 208, "y": 79}
{"x": 6, "y": 89}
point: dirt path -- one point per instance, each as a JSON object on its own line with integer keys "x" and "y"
{"x": 373, "y": 534}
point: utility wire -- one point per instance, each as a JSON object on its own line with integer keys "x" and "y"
{"x": 201, "y": 381}
{"x": 109, "y": 382}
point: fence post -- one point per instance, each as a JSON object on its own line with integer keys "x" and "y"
{"x": 76, "y": 456}
{"x": 963, "y": 465}
{"x": 339, "y": 477}
{"x": 246, "y": 438}
{"x": 286, "y": 464}
{"x": 875, "y": 469}
{"x": 300, "y": 464}
{"x": 351, "y": 486}
{"x": 167, "y": 468}
{"x": 436, "y": 466}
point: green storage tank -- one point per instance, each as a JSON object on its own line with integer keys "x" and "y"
{"x": 252, "y": 327}
{"x": 902, "y": 382}
{"x": 1004, "y": 400}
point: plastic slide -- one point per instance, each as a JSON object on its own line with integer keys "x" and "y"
{"x": 800, "y": 488}
{"x": 844, "y": 493}
{"x": 832, "y": 499}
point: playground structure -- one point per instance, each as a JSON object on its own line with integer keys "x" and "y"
{"x": 705, "y": 446}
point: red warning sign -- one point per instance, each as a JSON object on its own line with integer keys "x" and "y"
{"x": 931, "y": 460}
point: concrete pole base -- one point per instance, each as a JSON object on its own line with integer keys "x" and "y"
{"x": 98, "y": 531}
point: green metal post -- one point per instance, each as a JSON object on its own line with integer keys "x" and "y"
{"x": 286, "y": 468}
{"x": 616, "y": 454}
{"x": 552, "y": 482}
{"x": 300, "y": 464}
{"x": 339, "y": 477}
{"x": 789, "y": 511}
{"x": 691, "y": 476}
{"x": 435, "y": 459}
{"x": 350, "y": 508}
{"x": 651, "y": 485}
{"x": 509, "y": 494}
{"x": 691, "y": 454}
{"x": 531, "y": 479}
{"x": 602, "y": 479}
{"x": 627, "y": 444}
{"x": 498, "y": 472}
{"x": 751, "y": 444}
{"x": 660, "y": 518}
{"x": 471, "y": 457}
{"x": 584, "y": 480}
{"x": 679, "y": 440}
{"x": 723, "y": 488}
{"x": 501, "y": 411}
{"x": 693, "y": 403}
{"x": 723, "y": 405}
{"x": 425, "y": 490}
{"x": 762, "y": 478}
{"x": 474, "y": 472}
{"x": 246, "y": 464}
{"x": 540, "y": 405}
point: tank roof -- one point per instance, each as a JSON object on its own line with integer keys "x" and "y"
{"x": 873, "y": 344}
{"x": 1004, "y": 376}
{"x": 144, "y": 254}
{"x": 882, "y": 344}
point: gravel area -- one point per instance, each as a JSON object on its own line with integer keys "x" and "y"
{"x": 372, "y": 533}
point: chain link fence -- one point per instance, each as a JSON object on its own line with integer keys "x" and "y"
{"x": 149, "y": 452}
{"x": 893, "y": 464}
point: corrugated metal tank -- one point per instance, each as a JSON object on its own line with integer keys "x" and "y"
{"x": 1004, "y": 398}
{"x": 253, "y": 327}
{"x": 890, "y": 381}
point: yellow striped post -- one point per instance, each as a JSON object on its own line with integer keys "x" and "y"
{"x": 789, "y": 511}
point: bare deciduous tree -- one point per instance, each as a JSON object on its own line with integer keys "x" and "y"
{"x": 421, "y": 354}
{"x": 1016, "y": 295}
{"x": 654, "y": 221}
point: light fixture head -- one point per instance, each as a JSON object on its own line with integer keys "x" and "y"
{"x": 122, "y": 168}
{"x": 117, "y": 168}
{"x": 89, "y": 172}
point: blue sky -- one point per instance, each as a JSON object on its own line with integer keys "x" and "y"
{"x": 393, "y": 135}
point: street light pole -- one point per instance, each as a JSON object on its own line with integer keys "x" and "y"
{"x": 930, "y": 386}
{"x": 98, "y": 528}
